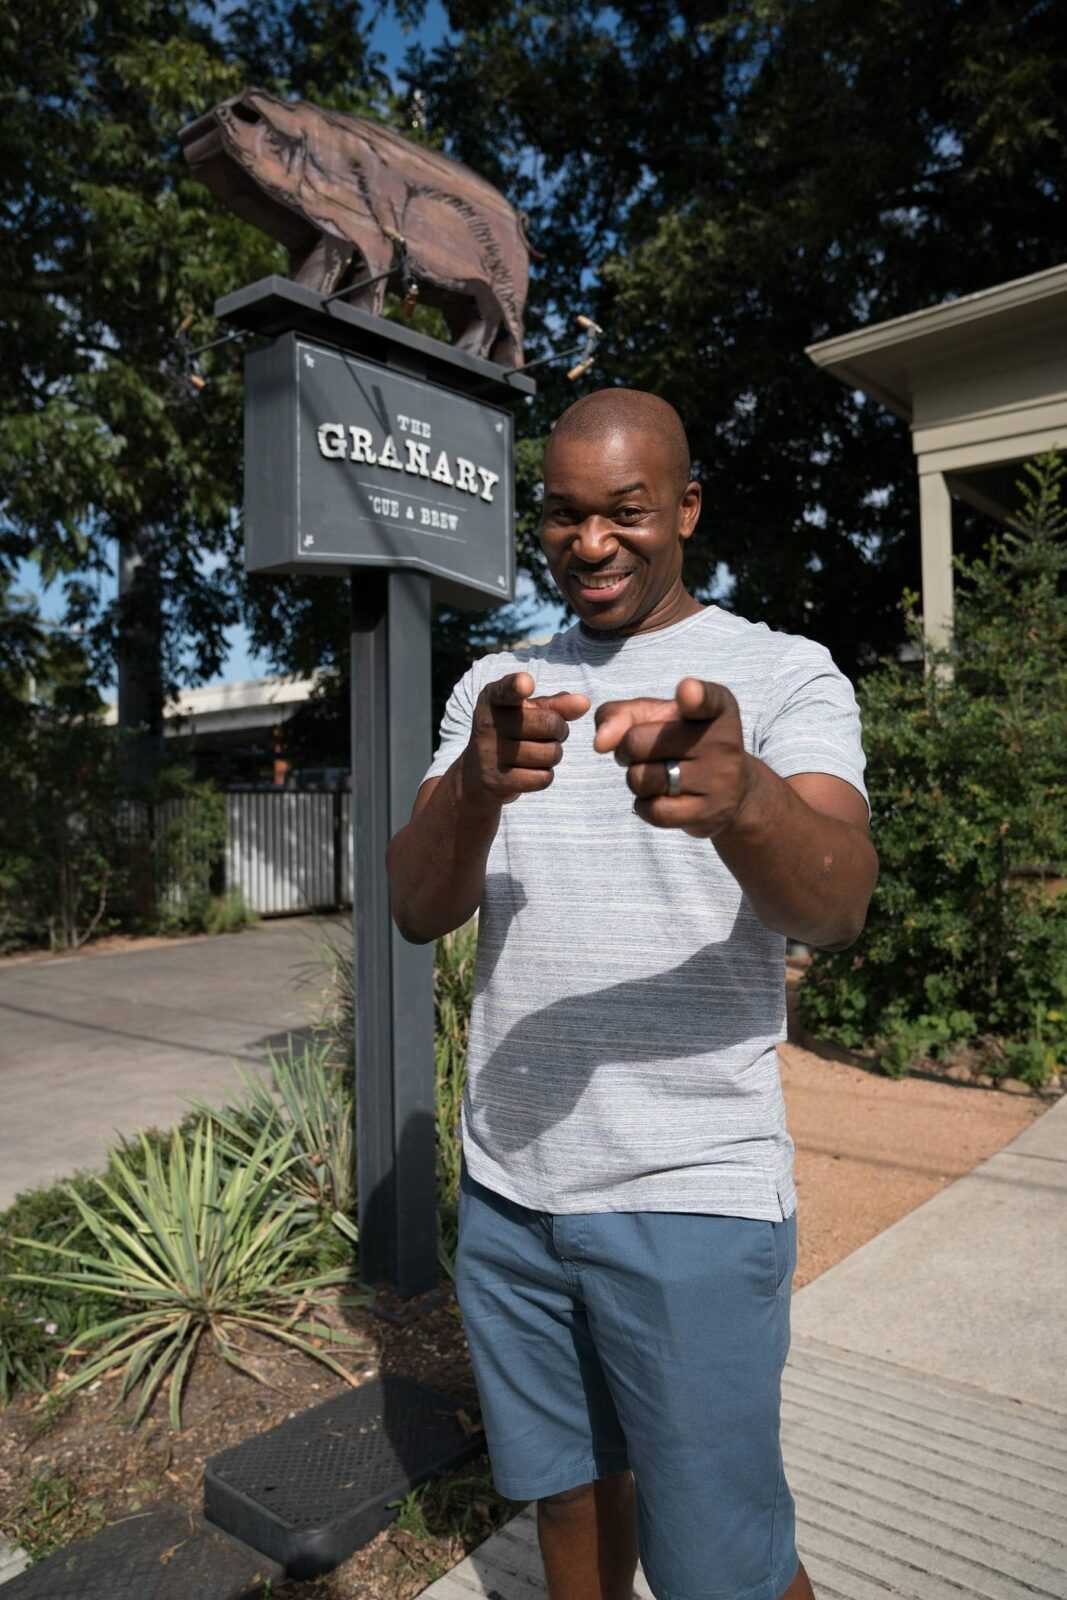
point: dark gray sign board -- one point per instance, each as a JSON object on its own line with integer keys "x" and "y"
{"x": 393, "y": 579}
{"x": 350, "y": 464}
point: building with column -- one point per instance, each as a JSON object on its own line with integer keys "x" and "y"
{"x": 982, "y": 383}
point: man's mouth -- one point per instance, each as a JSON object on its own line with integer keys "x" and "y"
{"x": 600, "y": 587}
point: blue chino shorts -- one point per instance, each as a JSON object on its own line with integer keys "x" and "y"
{"x": 650, "y": 1340}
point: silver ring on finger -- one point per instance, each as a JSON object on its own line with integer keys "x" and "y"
{"x": 674, "y": 777}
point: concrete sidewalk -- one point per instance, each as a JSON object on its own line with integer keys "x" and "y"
{"x": 924, "y": 1403}
{"x": 96, "y": 1044}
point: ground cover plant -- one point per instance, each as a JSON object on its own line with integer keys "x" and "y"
{"x": 964, "y": 952}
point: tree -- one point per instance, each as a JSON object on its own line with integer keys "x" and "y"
{"x": 726, "y": 181}
{"x": 968, "y": 782}
{"x": 107, "y": 245}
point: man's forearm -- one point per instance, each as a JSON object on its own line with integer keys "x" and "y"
{"x": 436, "y": 864}
{"x": 807, "y": 875}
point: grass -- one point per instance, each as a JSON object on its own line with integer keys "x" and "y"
{"x": 460, "y": 1505}
{"x": 54, "y": 1513}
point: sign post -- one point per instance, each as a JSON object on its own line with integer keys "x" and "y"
{"x": 376, "y": 454}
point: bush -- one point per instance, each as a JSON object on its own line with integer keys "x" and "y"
{"x": 228, "y": 913}
{"x": 190, "y": 838}
{"x": 37, "y": 1321}
{"x": 313, "y": 1107}
{"x": 967, "y": 771}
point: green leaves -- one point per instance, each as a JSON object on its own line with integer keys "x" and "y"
{"x": 193, "y": 1245}
{"x": 721, "y": 186}
{"x": 968, "y": 785}
{"x": 313, "y": 1111}
{"x": 106, "y": 244}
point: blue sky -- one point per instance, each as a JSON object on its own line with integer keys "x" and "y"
{"x": 388, "y": 37}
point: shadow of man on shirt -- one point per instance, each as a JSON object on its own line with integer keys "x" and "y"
{"x": 540, "y": 1069}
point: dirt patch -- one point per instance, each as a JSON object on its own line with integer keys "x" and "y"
{"x": 104, "y": 1468}
{"x": 869, "y": 1150}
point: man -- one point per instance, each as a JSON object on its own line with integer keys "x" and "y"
{"x": 627, "y": 1208}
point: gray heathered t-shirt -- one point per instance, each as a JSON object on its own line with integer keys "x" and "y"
{"x": 627, "y": 1000}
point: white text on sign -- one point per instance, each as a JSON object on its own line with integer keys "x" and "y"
{"x": 339, "y": 441}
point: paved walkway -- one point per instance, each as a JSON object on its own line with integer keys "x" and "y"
{"x": 12, "y": 1562}
{"x": 924, "y": 1403}
{"x": 91, "y": 1045}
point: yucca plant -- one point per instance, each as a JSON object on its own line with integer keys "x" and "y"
{"x": 193, "y": 1246}
{"x": 315, "y": 1107}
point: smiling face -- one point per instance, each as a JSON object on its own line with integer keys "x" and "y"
{"x": 617, "y": 512}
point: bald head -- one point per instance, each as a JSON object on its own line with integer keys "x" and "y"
{"x": 607, "y": 412}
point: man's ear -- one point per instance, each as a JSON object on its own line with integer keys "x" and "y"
{"x": 690, "y": 504}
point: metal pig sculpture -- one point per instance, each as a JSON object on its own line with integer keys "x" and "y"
{"x": 346, "y": 196}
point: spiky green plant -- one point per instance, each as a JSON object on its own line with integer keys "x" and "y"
{"x": 315, "y": 1106}
{"x": 193, "y": 1246}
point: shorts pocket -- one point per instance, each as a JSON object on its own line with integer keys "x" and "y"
{"x": 783, "y": 1245}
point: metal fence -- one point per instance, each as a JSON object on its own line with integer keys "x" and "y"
{"x": 289, "y": 850}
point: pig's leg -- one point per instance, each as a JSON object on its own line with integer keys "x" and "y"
{"x": 324, "y": 264}
{"x": 477, "y": 332}
{"x": 374, "y": 259}
{"x": 507, "y": 350}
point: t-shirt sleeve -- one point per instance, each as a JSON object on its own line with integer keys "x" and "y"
{"x": 812, "y": 723}
{"x": 455, "y": 728}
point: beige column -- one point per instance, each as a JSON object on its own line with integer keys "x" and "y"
{"x": 935, "y": 513}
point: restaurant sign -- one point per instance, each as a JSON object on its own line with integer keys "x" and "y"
{"x": 349, "y": 463}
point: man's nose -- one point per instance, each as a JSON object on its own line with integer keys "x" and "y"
{"x": 595, "y": 538}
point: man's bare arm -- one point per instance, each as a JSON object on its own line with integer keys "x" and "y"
{"x": 436, "y": 864}
{"x": 799, "y": 848}
{"x": 801, "y": 851}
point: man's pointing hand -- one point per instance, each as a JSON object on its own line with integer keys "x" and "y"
{"x": 700, "y": 729}
{"x": 516, "y": 740}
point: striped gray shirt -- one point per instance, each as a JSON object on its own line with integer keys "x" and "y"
{"x": 627, "y": 1000}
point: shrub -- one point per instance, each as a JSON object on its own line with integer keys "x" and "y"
{"x": 61, "y": 875}
{"x": 190, "y": 838}
{"x": 967, "y": 771}
{"x": 228, "y": 913}
{"x": 37, "y": 1321}
{"x": 192, "y": 1246}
